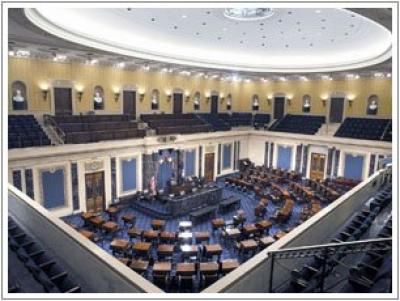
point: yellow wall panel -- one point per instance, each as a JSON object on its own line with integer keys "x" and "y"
{"x": 36, "y": 73}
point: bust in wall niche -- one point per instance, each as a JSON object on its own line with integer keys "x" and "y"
{"x": 98, "y": 101}
{"x": 154, "y": 103}
{"x": 196, "y": 103}
{"x": 18, "y": 100}
{"x": 306, "y": 106}
{"x": 373, "y": 107}
{"x": 256, "y": 104}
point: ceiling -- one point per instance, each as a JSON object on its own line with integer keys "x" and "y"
{"x": 291, "y": 41}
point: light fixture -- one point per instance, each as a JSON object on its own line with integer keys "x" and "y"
{"x": 187, "y": 95}
{"x": 304, "y": 78}
{"x": 79, "y": 92}
{"x": 282, "y": 79}
{"x": 379, "y": 74}
{"x": 289, "y": 99}
{"x": 23, "y": 53}
{"x": 142, "y": 93}
{"x": 208, "y": 96}
{"x": 11, "y": 52}
{"x": 350, "y": 98}
{"x": 116, "y": 93}
{"x": 59, "y": 58}
{"x": 169, "y": 95}
{"x": 389, "y": 75}
{"x": 121, "y": 64}
{"x": 326, "y": 77}
{"x": 146, "y": 67}
{"x": 45, "y": 92}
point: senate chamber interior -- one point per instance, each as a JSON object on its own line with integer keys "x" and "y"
{"x": 199, "y": 150}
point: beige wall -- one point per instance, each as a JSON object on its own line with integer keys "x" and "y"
{"x": 36, "y": 73}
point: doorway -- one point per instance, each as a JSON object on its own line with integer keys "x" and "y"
{"x": 95, "y": 192}
{"x": 279, "y": 107}
{"x": 214, "y": 104}
{"x": 63, "y": 101}
{"x": 317, "y": 167}
{"x": 178, "y": 103}
{"x": 209, "y": 167}
{"x": 336, "y": 112}
{"x": 129, "y": 103}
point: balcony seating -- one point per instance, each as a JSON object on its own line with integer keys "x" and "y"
{"x": 237, "y": 119}
{"x": 25, "y": 131}
{"x": 94, "y": 128}
{"x": 213, "y": 120}
{"x": 301, "y": 124}
{"x": 261, "y": 120}
{"x": 165, "y": 124}
{"x": 44, "y": 267}
{"x": 365, "y": 128}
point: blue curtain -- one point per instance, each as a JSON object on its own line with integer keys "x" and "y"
{"x": 164, "y": 174}
{"x": 128, "y": 175}
{"x": 353, "y": 167}
{"x": 226, "y": 156}
{"x": 284, "y": 157}
{"x": 190, "y": 163}
{"x": 53, "y": 189}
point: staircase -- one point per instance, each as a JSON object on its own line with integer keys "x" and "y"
{"x": 328, "y": 129}
{"x": 50, "y": 132}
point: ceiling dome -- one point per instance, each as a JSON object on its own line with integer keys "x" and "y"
{"x": 244, "y": 39}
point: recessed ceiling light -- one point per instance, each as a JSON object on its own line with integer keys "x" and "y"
{"x": 175, "y": 27}
{"x": 282, "y": 78}
{"x": 197, "y": 33}
{"x": 11, "y": 53}
{"x": 208, "y": 12}
{"x": 204, "y": 23}
{"x": 289, "y": 12}
{"x": 224, "y": 29}
{"x": 121, "y": 65}
{"x": 389, "y": 75}
{"x": 184, "y": 16}
{"x": 153, "y": 19}
{"x": 287, "y": 45}
{"x": 311, "y": 44}
{"x": 23, "y": 53}
{"x": 323, "y": 20}
{"x": 317, "y": 11}
{"x": 219, "y": 38}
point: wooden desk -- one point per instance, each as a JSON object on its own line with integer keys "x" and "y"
{"x": 229, "y": 265}
{"x": 112, "y": 211}
{"x": 128, "y": 218}
{"x": 142, "y": 247}
{"x": 87, "y": 234}
{"x": 120, "y": 245}
{"x": 248, "y": 245}
{"x": 167, "y": 236}
{"x": 279, "y": 235}
{"x": 158, "y": 224}
{"x": 189, "y": 250}
{"x": 264, "y": 224}
{"x": 232, "y": 232}
{"x": 209, "y": 267}
{"x": 185, "y": 268}
{"x": 110, "y": 227}
{"x": 249, "y": 229}
{"x": 124, "y": 260}
{"x": 212, "y": 250}
{"x": 202, "y": 236}
{"x": 162, "y": 267}
{"x": 218, "y": 223}
{"x": 97, "y": 221}
{"x": 150, "y": 234}
{"x": 266, "y": 241}
{"x": 86, "y": 216}
{"x": 165, "y": 249}
{"x": 139, "y": 266}
{"x": 135, "y": 232}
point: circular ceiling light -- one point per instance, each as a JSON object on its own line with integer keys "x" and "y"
{"x": 248, "y": 14}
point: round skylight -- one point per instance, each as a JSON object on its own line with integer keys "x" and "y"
{"x": 248, "y": 14}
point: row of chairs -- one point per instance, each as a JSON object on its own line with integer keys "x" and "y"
{"x": 44, "y": 267}
{"x": 301, "y": 124}
{"x": 25, "y": 131}
{"x": 307, "y": 278}
{"x": 363, "y": 128}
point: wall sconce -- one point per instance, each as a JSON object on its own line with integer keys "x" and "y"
{"x": 208, "y": 96}
{"x": 222, "y": 97}
{"x": 79, "y": 95}
{"x": 350, "y": 103}
{"x": 116, "y": 93}
{"x": 323, "y": 102}
{"x": 44, "y": 94}
{"x": 141, "y": 94}
{"x": 169, "y": 95}
{"x": 187, "y": 96}
{"x": 269, "y": 99}
{"x": 350, "y": 99}
{"x": 289, "y": 100}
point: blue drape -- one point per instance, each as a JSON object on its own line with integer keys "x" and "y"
{"x": 128, "y": 175}
{"x": 53, "y": 189}
{"x": 353, "y": 167}
{"x": 190, "y": 163}
{"x": 226, "y": 156}
{"x": 284, "y": 157}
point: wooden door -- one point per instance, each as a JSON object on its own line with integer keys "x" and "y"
{"x": 209, "y": 167}
{"x": 129, "y": 103}
{"x": 279, "y": 107}
{"x": 336, "y": 111}
{"x": 317, "y": 168}
{"x": 214, "y": 104}
{"x": 63, "y": 101}
{"x": 95, "y": 192}
{"x": 178, "y": 103}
